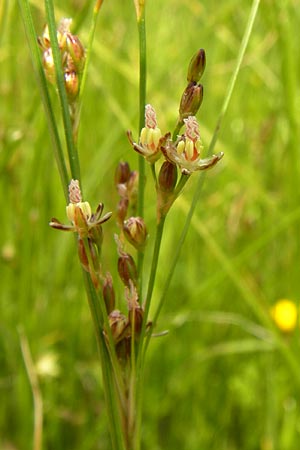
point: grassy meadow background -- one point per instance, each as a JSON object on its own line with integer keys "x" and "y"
{"x": 219, "y": 380}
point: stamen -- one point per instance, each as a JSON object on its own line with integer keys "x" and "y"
{"x": 192, "y": 128}
{"x": 74, "y": 192}
{"x": 150, "y": 117}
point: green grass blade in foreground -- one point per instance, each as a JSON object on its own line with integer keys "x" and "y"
{"x": 142, "y": 102}
{"x": 246, "y": 37}
{"x": 43, "y": 86}
{"x": 68, "y": 129}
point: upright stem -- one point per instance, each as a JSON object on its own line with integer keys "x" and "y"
{"x": 141, "y": 347}
{"x": 142, "y": 102}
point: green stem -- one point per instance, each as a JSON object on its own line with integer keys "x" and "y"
{"x": 178, "y": 127}
{"x": 68, "y": 128}
{"x": 154, "y": 174}
{"x": 114, "y": 412}
{"x": 154, "y": 265}
{"x": 141, "y": 353}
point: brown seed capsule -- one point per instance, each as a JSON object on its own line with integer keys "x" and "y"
{"x": 118, "y": 324}
{"x": 136, "y": 319}
{"x": 136, "y": 232}
{"x": 122, "y": 173}
{"x": 167, "y": 177}
{"x": 196, "y": 66}
{"x": 191, "y": 100}
{"x": 109, "y": 293}
{"x": 127, "y": 269}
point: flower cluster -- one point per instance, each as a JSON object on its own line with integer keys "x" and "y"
{"x": 186, "y": 150}
{"x": 72, "y": 57}
{"x": 88, "y": 227}
{"x": 133, "y": 228}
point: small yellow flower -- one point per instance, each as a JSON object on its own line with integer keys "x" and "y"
{"x": 285, "y": 315}
{"x": 84, "y": 222}
{"x": 186, "y": 151}
{"x": 148, "y": 145}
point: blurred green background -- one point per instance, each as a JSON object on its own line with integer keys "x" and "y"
{"x": 217, "y": 381}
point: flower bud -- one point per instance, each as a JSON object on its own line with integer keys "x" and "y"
{"x": 135, "y": 232}
{"x": 196, "y": 66}
{"x": 191, "y": 100}
{"x": 135, "y": 317}
{"x": 76, "y": 51}
{"x": 118, "y": 324}
{"x": 49, "y": 66}
{"x": 127, "y": 269}
{"x": 109, "y": 293}
{"x": 72, "y": 85}
{"x": 122, "y": 173}
{"x": 167, "y": 177}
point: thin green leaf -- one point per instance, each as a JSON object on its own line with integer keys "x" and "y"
{"x": 43, "y": 86}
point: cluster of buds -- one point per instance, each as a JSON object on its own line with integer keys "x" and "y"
{"x": 72, "y": 57}
{"x": 193, "y": 94}
{"x": 88, "y": 227}
{"x": 124, "y": 328}
{"x": 126, "y": 182}
{"x": 186, "y": 151}
{"x": 133, "y": 228}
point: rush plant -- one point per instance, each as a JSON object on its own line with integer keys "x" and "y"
{"x": 123, "y": 326}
